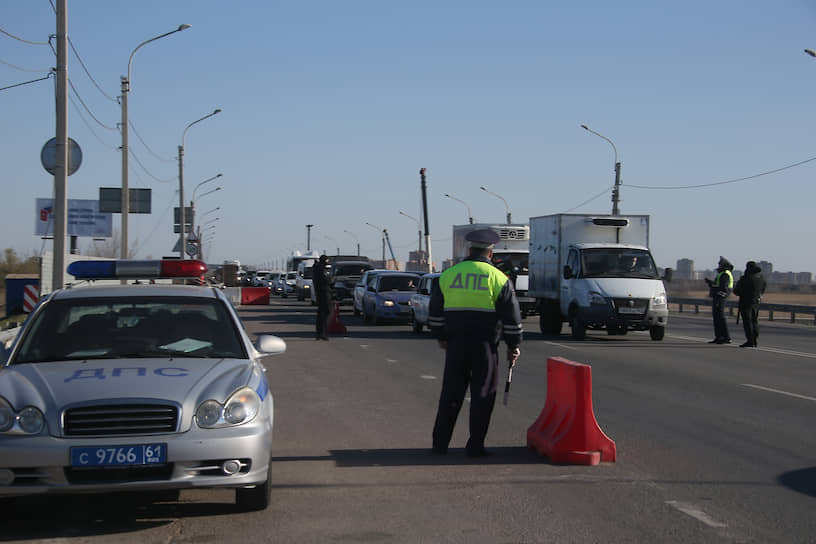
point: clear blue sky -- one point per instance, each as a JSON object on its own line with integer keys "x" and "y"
{"x": 331, "y": 108}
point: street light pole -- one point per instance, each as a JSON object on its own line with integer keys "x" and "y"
{"x": 192, "y": 200}
{"x": 470, "y": 215}
{"x": 355, "y": 238}
{"x": 382, "y": 230}
{"x": 506, "y": 207}
{"x": 616, "y": 190}
{"x": 419, "y": 230}
{"x": 309, "y": 237}
{"x": 183, "y": 239}
{"x": 124, "y": 102}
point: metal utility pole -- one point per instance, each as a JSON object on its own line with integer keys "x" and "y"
{"x": 309, "y": 237}
{"x": 425, "y": 218}
{"x": 506, "y": 206}
{"x": 616, "y": 189}
{"x": 390, "y": 249}
{"x": 61, "y": 163}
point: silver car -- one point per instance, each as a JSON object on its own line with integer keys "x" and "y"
{"x": 136, "y": 388}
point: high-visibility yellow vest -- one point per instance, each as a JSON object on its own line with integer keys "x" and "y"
{"x": 730, "y": 279}
{"x": 472, "y": 285}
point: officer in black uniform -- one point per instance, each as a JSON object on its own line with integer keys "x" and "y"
{"x": 321, "y": 284}
{"x": 473, "y": 307}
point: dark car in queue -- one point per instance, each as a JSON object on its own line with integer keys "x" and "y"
{"x": 136, "y": 387}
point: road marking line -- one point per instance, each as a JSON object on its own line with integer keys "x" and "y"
{"x": 798, "y": 396}
{"x": 560, "y": 345}
{"x": 364, "y": 346}
{"x": 696, "y": 513}
{"x": 390, "y": 360}
{"x": 769, "y": 350}
{"x": 427, "y": 377}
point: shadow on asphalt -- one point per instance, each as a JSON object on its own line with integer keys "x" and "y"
{"x": 398, "y": 457}
{"x": 802, "y": 480}
{"x": 87, "y": 515}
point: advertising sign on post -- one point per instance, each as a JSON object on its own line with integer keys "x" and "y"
{"x": 84, "y": 219}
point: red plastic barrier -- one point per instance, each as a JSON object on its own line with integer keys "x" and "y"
{"x": 567, "y": 431}
{"x": 254, "y": 295}
{"x": 335, "y": 325}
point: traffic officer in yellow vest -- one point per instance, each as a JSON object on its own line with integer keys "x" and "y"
{"x": 719, "y": 289}
{"x": 473, "y": 307}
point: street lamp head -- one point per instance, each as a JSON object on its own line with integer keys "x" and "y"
{"x": 185, "y": 26}
{"x": 584, "y": 127}
{"x": 483, "y": 188}
{"x": 217, "y": 111}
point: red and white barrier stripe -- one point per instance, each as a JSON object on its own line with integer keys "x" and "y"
{"x": 31, "y": 296}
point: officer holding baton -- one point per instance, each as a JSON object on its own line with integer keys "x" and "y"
{"x": 471, "y": 310}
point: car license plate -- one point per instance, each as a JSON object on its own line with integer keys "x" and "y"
{"x": 628, "y": 310}
{"x": 141, "y": 454}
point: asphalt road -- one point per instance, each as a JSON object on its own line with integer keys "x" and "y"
{"x": 714, "y": 444}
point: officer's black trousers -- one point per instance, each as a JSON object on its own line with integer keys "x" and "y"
{"x": 750, "y": 322}
{"x": 720, "y": 324}
{"x": 322, "y": 320}
{"x": 472, "y": 361}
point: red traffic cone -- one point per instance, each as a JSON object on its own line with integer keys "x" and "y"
{"x": 335, "y": 325}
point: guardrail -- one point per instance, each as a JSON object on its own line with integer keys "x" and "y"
{"x": 767, "y": 308}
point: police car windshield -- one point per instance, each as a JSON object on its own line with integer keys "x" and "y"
{"x": 130, "y": 327}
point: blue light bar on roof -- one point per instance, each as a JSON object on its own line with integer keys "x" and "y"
{"x": 137, "y": 269}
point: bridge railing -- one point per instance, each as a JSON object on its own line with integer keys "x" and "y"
{"x": 732, "y": 305}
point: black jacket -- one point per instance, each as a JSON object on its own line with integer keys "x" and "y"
{"x": 750, "y": 287}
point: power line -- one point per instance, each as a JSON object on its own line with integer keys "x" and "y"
{"x": 146, "y": 146}
{"x": 769, "y": 172}
{"x": 22, "y": 40}
{"x": 25, "y": 70}
{"x": 71, "y": 83}
{"x": 26, "y": 82}
{"x": 85, "y": 121}
{"x": 135, "y": 158}
{"x": 106, "y": 95}
{"x": 585, "y": 202}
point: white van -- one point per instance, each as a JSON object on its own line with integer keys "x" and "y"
{"x": 303, "y": 281}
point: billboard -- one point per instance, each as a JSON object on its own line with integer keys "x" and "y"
{"x": 84, "y": 219}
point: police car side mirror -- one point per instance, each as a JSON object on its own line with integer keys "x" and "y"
{"x": 268, "y": 344}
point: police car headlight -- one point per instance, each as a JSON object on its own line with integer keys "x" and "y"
{"x": 388, "y": 303}
{"x": 31, "y": 420}
{"x": 7, "y": 416}
{"x": 659, "y": 301}
{"x": 241, "y": 407}
{"x": 208, "y": 414}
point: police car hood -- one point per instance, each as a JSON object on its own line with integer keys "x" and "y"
{"x": 54, "y": 386}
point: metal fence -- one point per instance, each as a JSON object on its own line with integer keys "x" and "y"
{"x": 765, "y": 309}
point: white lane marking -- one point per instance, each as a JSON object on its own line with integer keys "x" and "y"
{"x": 427, "y": 377}
{"x": 364, "y": 346}
{"x": 560, "y": 345}
{"x": 390, "y": 360}
{"x": 796, "y": 395}
{"x": 760, "y": 348}
{"x": 696, "y": 513}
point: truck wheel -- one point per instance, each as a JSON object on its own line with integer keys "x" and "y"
{"x": 657, "y": 332}
{"x": 578, "y": 327}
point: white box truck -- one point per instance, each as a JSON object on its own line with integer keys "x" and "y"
{"x": 510, "y": 255}
{"x": 596, "y": 272}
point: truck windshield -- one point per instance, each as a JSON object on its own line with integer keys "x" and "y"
{"x": 617, "y": 263}
{"x": 506, "y": 261}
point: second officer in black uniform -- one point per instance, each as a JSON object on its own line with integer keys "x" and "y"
{"x": 471, "y": 310}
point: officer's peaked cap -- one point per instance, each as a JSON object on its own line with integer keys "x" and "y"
{"x": 484, "y": 238}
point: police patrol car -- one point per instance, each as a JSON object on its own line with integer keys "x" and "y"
{"x": 136, "y": 388}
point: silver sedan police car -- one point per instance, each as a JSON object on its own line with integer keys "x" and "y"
{"x": 136, "y": 388}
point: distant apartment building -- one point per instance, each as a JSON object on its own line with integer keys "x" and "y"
{"x": 685, "y": 269}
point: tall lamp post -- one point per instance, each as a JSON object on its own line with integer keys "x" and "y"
{"x": 382, "y": 232}
{"x": 506, "y": 207}
{"x": 810, "y": 52}
{"x": 124, "y": 102}
{"x": 470, "y": 215}
{"x": 192, "y": 200}
{"x": 616, "y": 190}
{"x": 183, "y": 239}
{"x": 309, "y": 237}
{"x": 419, "y": 228}
{"x": 355, "y": 239}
